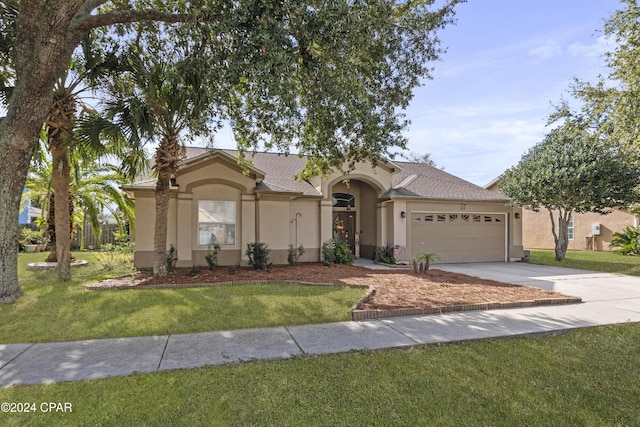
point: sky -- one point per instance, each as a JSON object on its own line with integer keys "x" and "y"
{"x": 507, "y": 63}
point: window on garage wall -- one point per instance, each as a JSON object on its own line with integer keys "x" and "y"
{"x": 216, "y": 222}
{"x": 570, "y": 228}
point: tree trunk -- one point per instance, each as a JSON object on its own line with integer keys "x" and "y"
{"x": 11, "y": 186}
{"x": 51, "y": 230}
{"x": 168, "y": 155}
{"x": 60, "y": 180}
{"x": 60, "y": 123}
{"x": 160, "y": 230}
{"x": 42, "y": 51}
{"x": 561, "y": 236}
{"x": 562, "y": 243}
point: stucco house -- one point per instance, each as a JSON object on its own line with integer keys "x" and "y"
{"x": 587, "y": 231}
{"x": 413, "y": 206}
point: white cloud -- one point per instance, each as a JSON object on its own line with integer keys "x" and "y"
{"x": 592, "y": 50}
{"x": 547, "y": 51}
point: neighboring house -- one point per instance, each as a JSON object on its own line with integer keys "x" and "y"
{"x": 413, "y": 206}
{"x": 587, "y": 231}
{"x": 29, "y": 214}
{"x": 590, "y": 231}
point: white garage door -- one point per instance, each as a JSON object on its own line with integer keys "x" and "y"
{"x": 455, "y": 237}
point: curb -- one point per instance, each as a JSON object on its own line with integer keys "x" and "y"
{"x": 217, "y": 284}
{"x": 416, "y": 311}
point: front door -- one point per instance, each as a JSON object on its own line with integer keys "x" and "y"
{"x": 344, "y": 228}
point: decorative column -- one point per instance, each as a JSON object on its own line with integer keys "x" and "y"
{"x": 184, "y": 230}
{"x": 248, "y": 230}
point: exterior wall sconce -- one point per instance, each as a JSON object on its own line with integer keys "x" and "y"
{"x": 173, "y": 182}
{"x": 403, "y": 214}
{"x": 517, "y": 215}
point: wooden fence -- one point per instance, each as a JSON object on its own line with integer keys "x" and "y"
{"x": 90, "y": 241}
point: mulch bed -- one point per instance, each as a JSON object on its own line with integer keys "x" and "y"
{"x": 393, "y": 292}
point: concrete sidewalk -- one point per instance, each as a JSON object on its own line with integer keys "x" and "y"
{"x": 608, "y": 299}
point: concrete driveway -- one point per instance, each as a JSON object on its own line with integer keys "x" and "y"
{"x": 614, "y": 295}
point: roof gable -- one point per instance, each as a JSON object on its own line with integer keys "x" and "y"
{"x": 274, "y": 172}
{"x": 197, "y": 160}
{"x": 426, "y": 181}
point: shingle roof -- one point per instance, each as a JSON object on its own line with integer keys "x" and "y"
{"x": 425, "y": 181}
{"x": 413, "y": 180}
{"x": 280, "y": 170}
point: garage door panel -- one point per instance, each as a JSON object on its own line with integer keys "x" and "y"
{"x": 459, "y": 237}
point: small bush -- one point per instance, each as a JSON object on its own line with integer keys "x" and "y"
{"x": 172, "y": 257}
{"x": 29, "y": 236}
{"x": 385, "y": 254}
{"x": 294, "y": 254}
{"x": 328, "y": 252}
{"x": 424, "y": 260}
{"x": 336, "y": 253}
{"x": 343, "y": 253}
{"x": 628, "y": 240}
{"x": 113, "y": 256}
{"x": 258, "y": 254}
{"x": 212, "y": 256}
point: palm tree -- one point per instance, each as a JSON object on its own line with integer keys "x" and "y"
{"x": 95, "y": 188}
{"x": 162, "y": 101}
{"x": 84, "y": 74}
{"x": 423, "y": 261}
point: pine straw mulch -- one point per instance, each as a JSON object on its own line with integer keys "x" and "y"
{"x": 393, "y": 288}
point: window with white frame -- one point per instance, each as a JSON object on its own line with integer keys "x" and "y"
{"x": 570, "y": 228}
{"x": 216, "y": 222}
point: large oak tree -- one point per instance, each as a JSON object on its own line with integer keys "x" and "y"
{"x": 326, "y": 78}
{"x": 571, "y": 171}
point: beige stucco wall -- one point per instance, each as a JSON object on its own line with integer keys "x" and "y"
{"x": 269, "y": 217}
{"x": 379, "y": 177}
{"x": 537, "y": 229}
{"x": 216, "y": 170}
{"x": 273, "y": 229}
{"x": 308, "y": 223}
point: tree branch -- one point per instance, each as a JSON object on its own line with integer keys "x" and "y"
{"x": 553, "y": 227}
{"x": 89, "y": 6}
{"x": 84, "y": 24}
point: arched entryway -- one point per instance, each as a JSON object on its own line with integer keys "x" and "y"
{"x": 354, "y": 215}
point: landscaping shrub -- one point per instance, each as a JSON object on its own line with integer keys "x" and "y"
{"x": 294, "y": 254}
{"x": 112, "y": 256}
{"x": 258, "y": 254}
{"x": 343, "y": 253}
{"x": 627, "y": 240}
{"x": 29, "y": 236}
{"x": 212, "y": 256}
{"x": 172, "y": 257}
{"x": 336, "y": 253}
{"x": 385, "y": 254}
{"x": 423, "y": 261}
{"x": 328, "y": 252}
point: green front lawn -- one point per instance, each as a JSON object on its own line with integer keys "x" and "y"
{"x": 588, "y": 377}
{"x": 52, "y": 310}
{"x": 609, "y": 262}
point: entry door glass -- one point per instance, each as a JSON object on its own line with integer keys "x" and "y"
{"x": 344, "y": 228}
